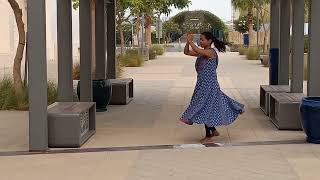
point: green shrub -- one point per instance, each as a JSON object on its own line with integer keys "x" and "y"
{"x": 152, "y": 54}
{"x": 131, "y": 58}
{"x": 253, "y": 54}
{"x": 234, "y": 47}
{"x": 10, "y": 99}
{"x": 52, "y": 92}
{"x": 119, "y": 67}
{"x": 76, "y": 70}
{"x": 242, "y": 50}
{"x": 158, "y": 48}
{"x": 265, "y": 60}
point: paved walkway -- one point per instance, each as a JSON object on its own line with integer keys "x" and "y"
{"x": 163, "y": 88}
{"x": 284, "y": 162}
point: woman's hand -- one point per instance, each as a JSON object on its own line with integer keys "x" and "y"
{"x": 189, "y": 37}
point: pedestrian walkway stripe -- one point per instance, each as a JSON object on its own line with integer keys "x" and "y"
{"x": 155, "y": 147}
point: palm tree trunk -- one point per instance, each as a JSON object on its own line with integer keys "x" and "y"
{"x": 250, "y": 24}
{"x": 266, "y": 32}
{"x": 138, "y": 23}
{"x": 121, "y": 38}
{"x": 20, "y": 49}
{"x": 265, "y": 38}
{"x": 148, "y": 22}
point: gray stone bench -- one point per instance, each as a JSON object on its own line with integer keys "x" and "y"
{"x": 265, "y": 91}
{"x": 71, "y": 124}
{"x": 285, "y": 110}
{"x": 122, "y": 91}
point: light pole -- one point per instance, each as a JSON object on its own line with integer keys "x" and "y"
{"x": 132, "y": 32}
{"x": 158, "y": 29}
{"x": 142, "y": 31}
{"x": 258, "y": 24}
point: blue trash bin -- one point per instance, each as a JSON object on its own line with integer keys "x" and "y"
{"x": 246, "y": 40}
{"x": 274, "y": 66}
{"x": 310, "y": 112}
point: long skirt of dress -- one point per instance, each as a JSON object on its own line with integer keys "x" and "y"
{"x": 209, "y": 105}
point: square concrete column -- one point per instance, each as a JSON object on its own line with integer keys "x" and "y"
{"x": 314, "y": 49}
{"x": 85, "y": 51}
{"x": 275, "y": 24}
{"x": 65, "y": 63}
{"x": 111, "y": 39}
{"x": 285, "y": 13}
{"x": 297, "y": 46}
{"x": 100, "y": 39}
{"x": 37, "y": 76}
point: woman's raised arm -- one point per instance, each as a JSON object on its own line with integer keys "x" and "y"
{"x": 188, "y": 52}
{"x": 205, "y": 52}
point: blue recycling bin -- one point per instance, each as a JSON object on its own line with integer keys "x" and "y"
{"x": 273, "y": 66}
{"x": 246, "y": 40}
{"x": 310, "y": 112}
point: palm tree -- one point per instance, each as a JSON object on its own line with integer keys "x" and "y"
{"x": 246, "y": 5}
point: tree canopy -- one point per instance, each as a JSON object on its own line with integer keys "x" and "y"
{"x": 241, "y": 25}
{"x": 197, "y": 21}
{"x": 158, "y": 7}
{"x": 170, "y": 29}
{"x": 249, "y": 4}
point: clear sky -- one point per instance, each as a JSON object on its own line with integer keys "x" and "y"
{"x": 221, "y": 8}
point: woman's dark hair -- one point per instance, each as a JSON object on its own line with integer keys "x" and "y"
{"x": 221, "y": 46}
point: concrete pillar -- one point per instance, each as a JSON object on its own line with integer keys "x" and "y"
{"x": 285, "y": 12}
{"x": 100, "y": 40}
{"x": 297, "y": 46}
{"x": 275, "y": 24}
{"x": 93, "y": 30}
{"x": 111, "y": 39}
{"x": 65, "y": 63}
{"x": 37, "y": 86}
{"x": 314, "y": 51}
{"x": 85, "y": 51}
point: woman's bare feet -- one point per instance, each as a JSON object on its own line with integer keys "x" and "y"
{"x": 215, "y": 133}
{"x": 210, "y": 139}
{"x": 206, "y": 140}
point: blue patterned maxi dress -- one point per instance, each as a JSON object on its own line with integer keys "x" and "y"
{"x": 209, "y": 105}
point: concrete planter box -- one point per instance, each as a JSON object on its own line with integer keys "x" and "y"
{"x": 264, "y": 60}
{"x": 122, "y": 91}
{"x": 145, "y": 53}
{"x": 285, "y": 110}
{"x": 70, "y": 124}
